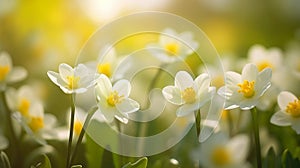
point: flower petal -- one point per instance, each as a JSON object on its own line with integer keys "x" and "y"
{"x": 296, "y": 126}
{"x": 5, "y": 59}
{"x": 104, "y": 86}
{"x": 263, "y": 81}
{"x": 239, "y": 146}
{"x": 17, "y": 74}
{"x": 202, "y": 82}
{"x": 249, "y": 72}
{"x": 232, "y": 78}
{"x": 121, "y": 118}
{"x": 281, "y": 118}
{"x": 65, "y": 70}
{"x": 54, "y": 77}
{"x": 284, "y": 98}
{"x": 128, "y": 106}
{"x": 172, "y": 94}
{"x": 183, "y": 80}
{"x": 187, "y": 109}
{"x": 123, "y": 87}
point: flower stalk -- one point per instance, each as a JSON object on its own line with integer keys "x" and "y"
{"x": 256, "y": 137}
{"x": 71, "y": 130}
{"x": 82, "y": 132}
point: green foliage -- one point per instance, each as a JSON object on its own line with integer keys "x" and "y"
{"x": 271, "y": 160}
{"x": 141, "y": 163}
{"x": 94, "y": 153}
{"x": 45, "y": 164}
{"x": 288, "y": 161}
{"x": 4, "y": 161}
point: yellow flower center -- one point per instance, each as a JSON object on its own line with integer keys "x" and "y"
{"x": 114, "y": 98}
{"x": 36, "y": 123}
{"x": 72, "y": 82}
{"x": 264, "y": 64}
{"x": 293, "y": 108}
{"x": 77, "y": 127}
{"x": 105, "y": 69}
{"x": 24, "y": 107}
{"x": 4, "y": 70}
{"x": 247, "y": 88}
{"x": 172, "y": 49}
{"x": 220, "y": 156}
{"x": 189, "y": 95}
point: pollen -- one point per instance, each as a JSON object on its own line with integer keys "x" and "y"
{"x": 220, "y": 156}
{"x": 293, "y": 108}
{"x": 77, "y": 127}
{"x": 264, "y": 64}
{"x": 172, "y": 49}
{"x": 114, "y": 98}
{"x": 72, "y": 82}
{"x": 189, "y": 95}
{"x": 24, "y": 107}
{"x": 247, "y": 88}
{"x": 4, "y": 70}
{"x": 36, "y": 123}
{"x": 105, "y": 69}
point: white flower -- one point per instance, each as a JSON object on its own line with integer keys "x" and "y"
{"x": 38, "y": 125}
{"x": 263, "y": 58}
{"x": 71, "y": 80}
{"x": 173, "y": 46}
{"x": 113, "y": 100}
{"x": 8, "y": 73}
{"x": 22, "y": 100}
{"x": 289, "y": 114}
{"x": 190, "y": 95}
{"x": 245, "y": 90}
{"x": 221, "y": 152}
{"x": 106, "y": 63}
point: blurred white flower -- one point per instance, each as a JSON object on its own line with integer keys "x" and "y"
{"x": 4, "y": 143}
{"x": 263, "y": 58}
{"x": 22, "y": 100}
{"x": 106, "y": 63}
{"x": 38, "y": 125}
{"x": 219, "y": 151}
{"x": 245, "y": 90}
{"x": 113, "y": 101}
{"x": 8, "y": 73}
{"x": 289, "y": 114}
{"x": 173, "y": 46}
{"x": 190, "y": 95}
{"x": 70, "y": 80}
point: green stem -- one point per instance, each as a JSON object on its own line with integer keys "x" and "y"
{"x": 71, "y": 130}
{"x": 82, "y": 132}
{"x": 17, "y": 158}
{"x": 197, "y": 121}
{"x": 256, "y": 137}
{"x": 120, "y": 160}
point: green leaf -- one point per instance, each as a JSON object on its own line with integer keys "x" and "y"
{"x": 288, "y": 160}
{"x": 141, "y": 163}
{"x": 4, "y": 161}
{"x": 46, "y": 163}
{"x": 94, "y": 152}
{"x": 271, "y": 160}
{"x": 76, "y": 166}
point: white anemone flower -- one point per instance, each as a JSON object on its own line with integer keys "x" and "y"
{"x": 289, "y": 113}
{"x": 72, "y": 80}
{"x": 245, "y": 90}
{"x": 113, "y": 101}
{"x": 37, "y": 124}
{"x": 21, "y": 100}
{"x": 8, "y": 73}
{"x": 265, "y": 58}
{"x": 189, "y": 94}
{"x": 173, "y": 46}
{"x": 219, "y": 151}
